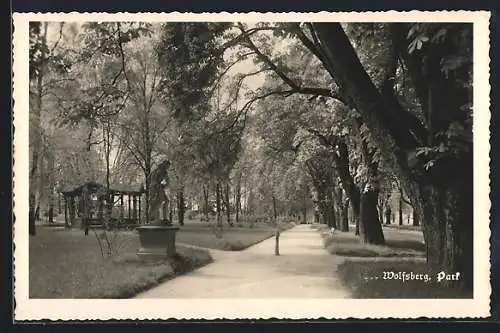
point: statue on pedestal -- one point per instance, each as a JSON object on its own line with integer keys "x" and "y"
{"x": 158, "y": 199}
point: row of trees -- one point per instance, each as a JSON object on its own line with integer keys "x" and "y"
{"x": 400, "y": 95}
{"x": 343, "y": 115}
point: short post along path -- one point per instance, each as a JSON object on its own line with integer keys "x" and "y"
{"x": 303, "y": 270}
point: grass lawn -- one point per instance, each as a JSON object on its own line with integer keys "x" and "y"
{"x": 403, "y": 227}
{"x": 235, "y": 238}
{"x": 398, "y": 244}
{"x": 404, "y": 253}
{"x": 66, "y": 264}
{"x": 365, "y": 279}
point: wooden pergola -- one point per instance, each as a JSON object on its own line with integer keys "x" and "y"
{"x": 87, "y": 202}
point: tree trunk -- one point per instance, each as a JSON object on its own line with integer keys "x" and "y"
{"x": 228, "y": 205}
{"x": 51, "y": 213}
{"x": 352, "y": 191}
{"x": 218, "y": 203}
{"x": 327, "y": 209}
{"x": 416, "y": 220}
{"x": 275, "y": 209}
{"x": 277, "y": 231}
{"x": 238, "y": 200}
{"x": 356, "y": 229}
{"x": 32, "y": 204}
{"x": 66, "y": 220}
{"x": 147, "y": 199}
{"x": 388, "y": 214}
{"x": 277, "y": 241}
{"x": 180, "y": 207}
{"x": 400, "y": 210}
{"x": 59, "y": 206}
{"x": 337, "y": 210}
{"x": 343, "y": 206}
{"x": 345, "y": 217}
{"x": 109, "y": 197}
{"x": 380, "y": 210}
{"x": 205, "y": 202}
{"x": 85, "y": 215}
{"x": 304, "y": 215}
{"x": 171, "y": 213}
{"x": 36, "y": 135}
{"x": 370, "y": 228}
{"x": 448, "y": 229}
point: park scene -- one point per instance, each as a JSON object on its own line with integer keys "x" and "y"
{"x": 250, "y": 160}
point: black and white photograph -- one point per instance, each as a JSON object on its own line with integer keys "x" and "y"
{"x": 331, "y": 166}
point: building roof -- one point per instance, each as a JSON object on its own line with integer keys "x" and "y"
{"x": 94, "y": 187}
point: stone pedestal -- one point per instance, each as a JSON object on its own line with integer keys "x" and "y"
{"x": 157, "y": 242}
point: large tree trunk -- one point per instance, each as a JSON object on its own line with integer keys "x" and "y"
{"x": 448, "y": 218}
{"x": 448, "y": 231}
{"x": 446, "y": 190}
{"x": 35, "y": 134}
{"x": 370, "y": 228}
{"x": 380, "y": 209}
{"x": 416, "y": 219}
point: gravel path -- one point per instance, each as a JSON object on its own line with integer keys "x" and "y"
{"x": 303, "y": 270}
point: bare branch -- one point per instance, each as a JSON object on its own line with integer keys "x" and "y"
{"x": 295, "y": 87}
{"x": 224, "y": 72}
{"x": 61, "y": 25}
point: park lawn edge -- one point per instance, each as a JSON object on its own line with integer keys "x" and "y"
{"x": 181, "y": 265}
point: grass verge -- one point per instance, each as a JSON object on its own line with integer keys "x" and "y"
{"x": 235, "y": 238}
{"x": 403, "y": 227}
{"x": 66, "y": 264}
{"x": 365, "y": 279}
{"x": 397, "y": 245}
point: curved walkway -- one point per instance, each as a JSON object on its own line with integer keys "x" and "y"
{"x": 303, "y": 270}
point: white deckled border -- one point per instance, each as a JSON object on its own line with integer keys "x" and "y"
{"x": 136, "y": 309}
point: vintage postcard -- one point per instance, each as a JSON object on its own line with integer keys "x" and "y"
{"x": 251, "y": 166}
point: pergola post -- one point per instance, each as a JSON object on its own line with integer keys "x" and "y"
{"x": 139, "y": 201}
{"x": 121, "y": 208}
{"x": 129, "y": 204}
{"x": 134, "y": 208}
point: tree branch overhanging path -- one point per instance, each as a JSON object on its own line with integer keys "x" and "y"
{"x": 398, "y": 132}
